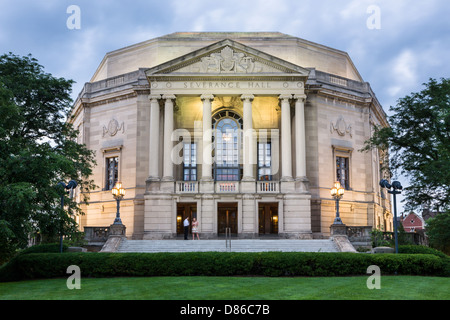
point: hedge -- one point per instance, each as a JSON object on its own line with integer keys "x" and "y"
{"x": 273, "y": 264}
{"x": 421, "y": 249}
{"x": 45, "y": 248}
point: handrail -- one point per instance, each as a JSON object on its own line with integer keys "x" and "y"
{"x": 228, "y": 238}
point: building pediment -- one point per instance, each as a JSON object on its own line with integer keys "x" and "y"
{"x": 227, "y": 59}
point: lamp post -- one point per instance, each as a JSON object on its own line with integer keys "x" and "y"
{"x": 70, "y": 186}
{"x": 396, "y": 186}
{"x": 118, "y": 194}
{"x": 337, "y": 192}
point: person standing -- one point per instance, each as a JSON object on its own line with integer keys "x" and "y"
{"x": 195, "y": 228}
{"x": 186, "y": 228}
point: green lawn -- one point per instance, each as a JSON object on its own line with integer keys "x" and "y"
{"x": 231, "y": 288}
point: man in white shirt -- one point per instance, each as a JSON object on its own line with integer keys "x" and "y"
{"x": 186, "y": 228}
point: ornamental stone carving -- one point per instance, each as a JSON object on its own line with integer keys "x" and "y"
{"x": 341, "y": 127}
{"x": 113, "y": 127}
{"x": 229, "y": 61}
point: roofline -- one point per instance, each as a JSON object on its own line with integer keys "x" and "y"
{"x": 245, "y": 35}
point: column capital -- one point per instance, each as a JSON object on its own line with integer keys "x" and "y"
{"x": 285, "y": 96}
{"x": 300, "y": 97}
{"x": 169, "y": 96}
{"x": 247, "y": 97}
{"x": 207, "y": 97}
{"x": 154, "y": 97}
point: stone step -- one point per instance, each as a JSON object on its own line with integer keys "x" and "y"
{"x": 239, "y": 245}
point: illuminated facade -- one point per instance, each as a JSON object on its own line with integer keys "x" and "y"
{"x": 246, "y": 131}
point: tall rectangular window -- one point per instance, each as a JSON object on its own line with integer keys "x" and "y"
{"x": 264, "y": 161}
{"x": 342, "y": 172}
{"x": 190, "y": 162}
{"x": 112, "y": 172}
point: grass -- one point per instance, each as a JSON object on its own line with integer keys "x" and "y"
{"x": 230, "y": 288}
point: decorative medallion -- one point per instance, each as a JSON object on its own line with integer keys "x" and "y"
{"x": 113, "y": 128}
{"x": 341, "y": 127}
{"x": 228, "y": 59}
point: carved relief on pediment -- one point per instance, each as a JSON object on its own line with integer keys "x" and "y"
{"x": 227, "y": 61}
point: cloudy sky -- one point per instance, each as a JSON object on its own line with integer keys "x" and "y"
{"x": 396, "y": 45}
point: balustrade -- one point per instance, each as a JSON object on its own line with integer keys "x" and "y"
{"x": 228, "y": 187}
{"x": 186, "y": 187}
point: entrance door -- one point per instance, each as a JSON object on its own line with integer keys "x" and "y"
{"x": 227, "y": 216}
{"x": 268, "y": 218}
{"x": 185, "y": 210}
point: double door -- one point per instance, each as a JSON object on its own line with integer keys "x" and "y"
{"x": 227, "y": 217}
{"x": 185, "y": 210}
{"x": 268, "y": 218}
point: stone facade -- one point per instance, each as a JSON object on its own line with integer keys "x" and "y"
{"x": 246, "y": 131}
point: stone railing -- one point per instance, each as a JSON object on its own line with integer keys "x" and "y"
{"x": 227, "y": 187}
{"x": 359, "y": 234}
{"x": 267, "y": 187}
{"x": 352, "y": 236}
{"x": 96, "y": 234}
{"x": 337, "y": 80}
{"x": 184, "y": 187}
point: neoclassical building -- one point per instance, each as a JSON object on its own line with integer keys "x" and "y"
{"x": 247, "y": 132}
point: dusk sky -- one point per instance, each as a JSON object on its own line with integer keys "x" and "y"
{"x": 396, "y": 45}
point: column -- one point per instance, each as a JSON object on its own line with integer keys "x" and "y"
{"x": 168, "y": 144}
{"x": 286, "y": 154}
{"x": 248, "y": 156}
{"x": 300, "y": 137}
{"x": 154, "y": 138}
{"x": 207, "y": 138}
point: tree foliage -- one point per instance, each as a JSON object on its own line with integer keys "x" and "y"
{"x": 38, "y": 149}
{"x": 438, "y": 232}
{"x": 418, "y": 141}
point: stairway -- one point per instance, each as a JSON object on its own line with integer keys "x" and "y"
{"x": 237, "y": 245}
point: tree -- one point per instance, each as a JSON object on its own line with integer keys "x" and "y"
{"x": 418, "y": 141}
{"x": 38, "y": 149}
{"x": 438, "y": 232}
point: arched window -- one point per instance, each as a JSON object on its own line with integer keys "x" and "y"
{"x": 227, "y": 127}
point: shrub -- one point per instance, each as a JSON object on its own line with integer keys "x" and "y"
{"x": 44, "y": 248}
{"x": 40, "y": 248}
{"x": 380, "y": 238}
{"x": 421, "y": 249}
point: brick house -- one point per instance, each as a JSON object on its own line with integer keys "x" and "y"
{"x": 413, "y": 222}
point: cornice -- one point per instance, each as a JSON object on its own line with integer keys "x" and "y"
{"x": 99, "y": 100}
{"x": 226, "y": 77}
